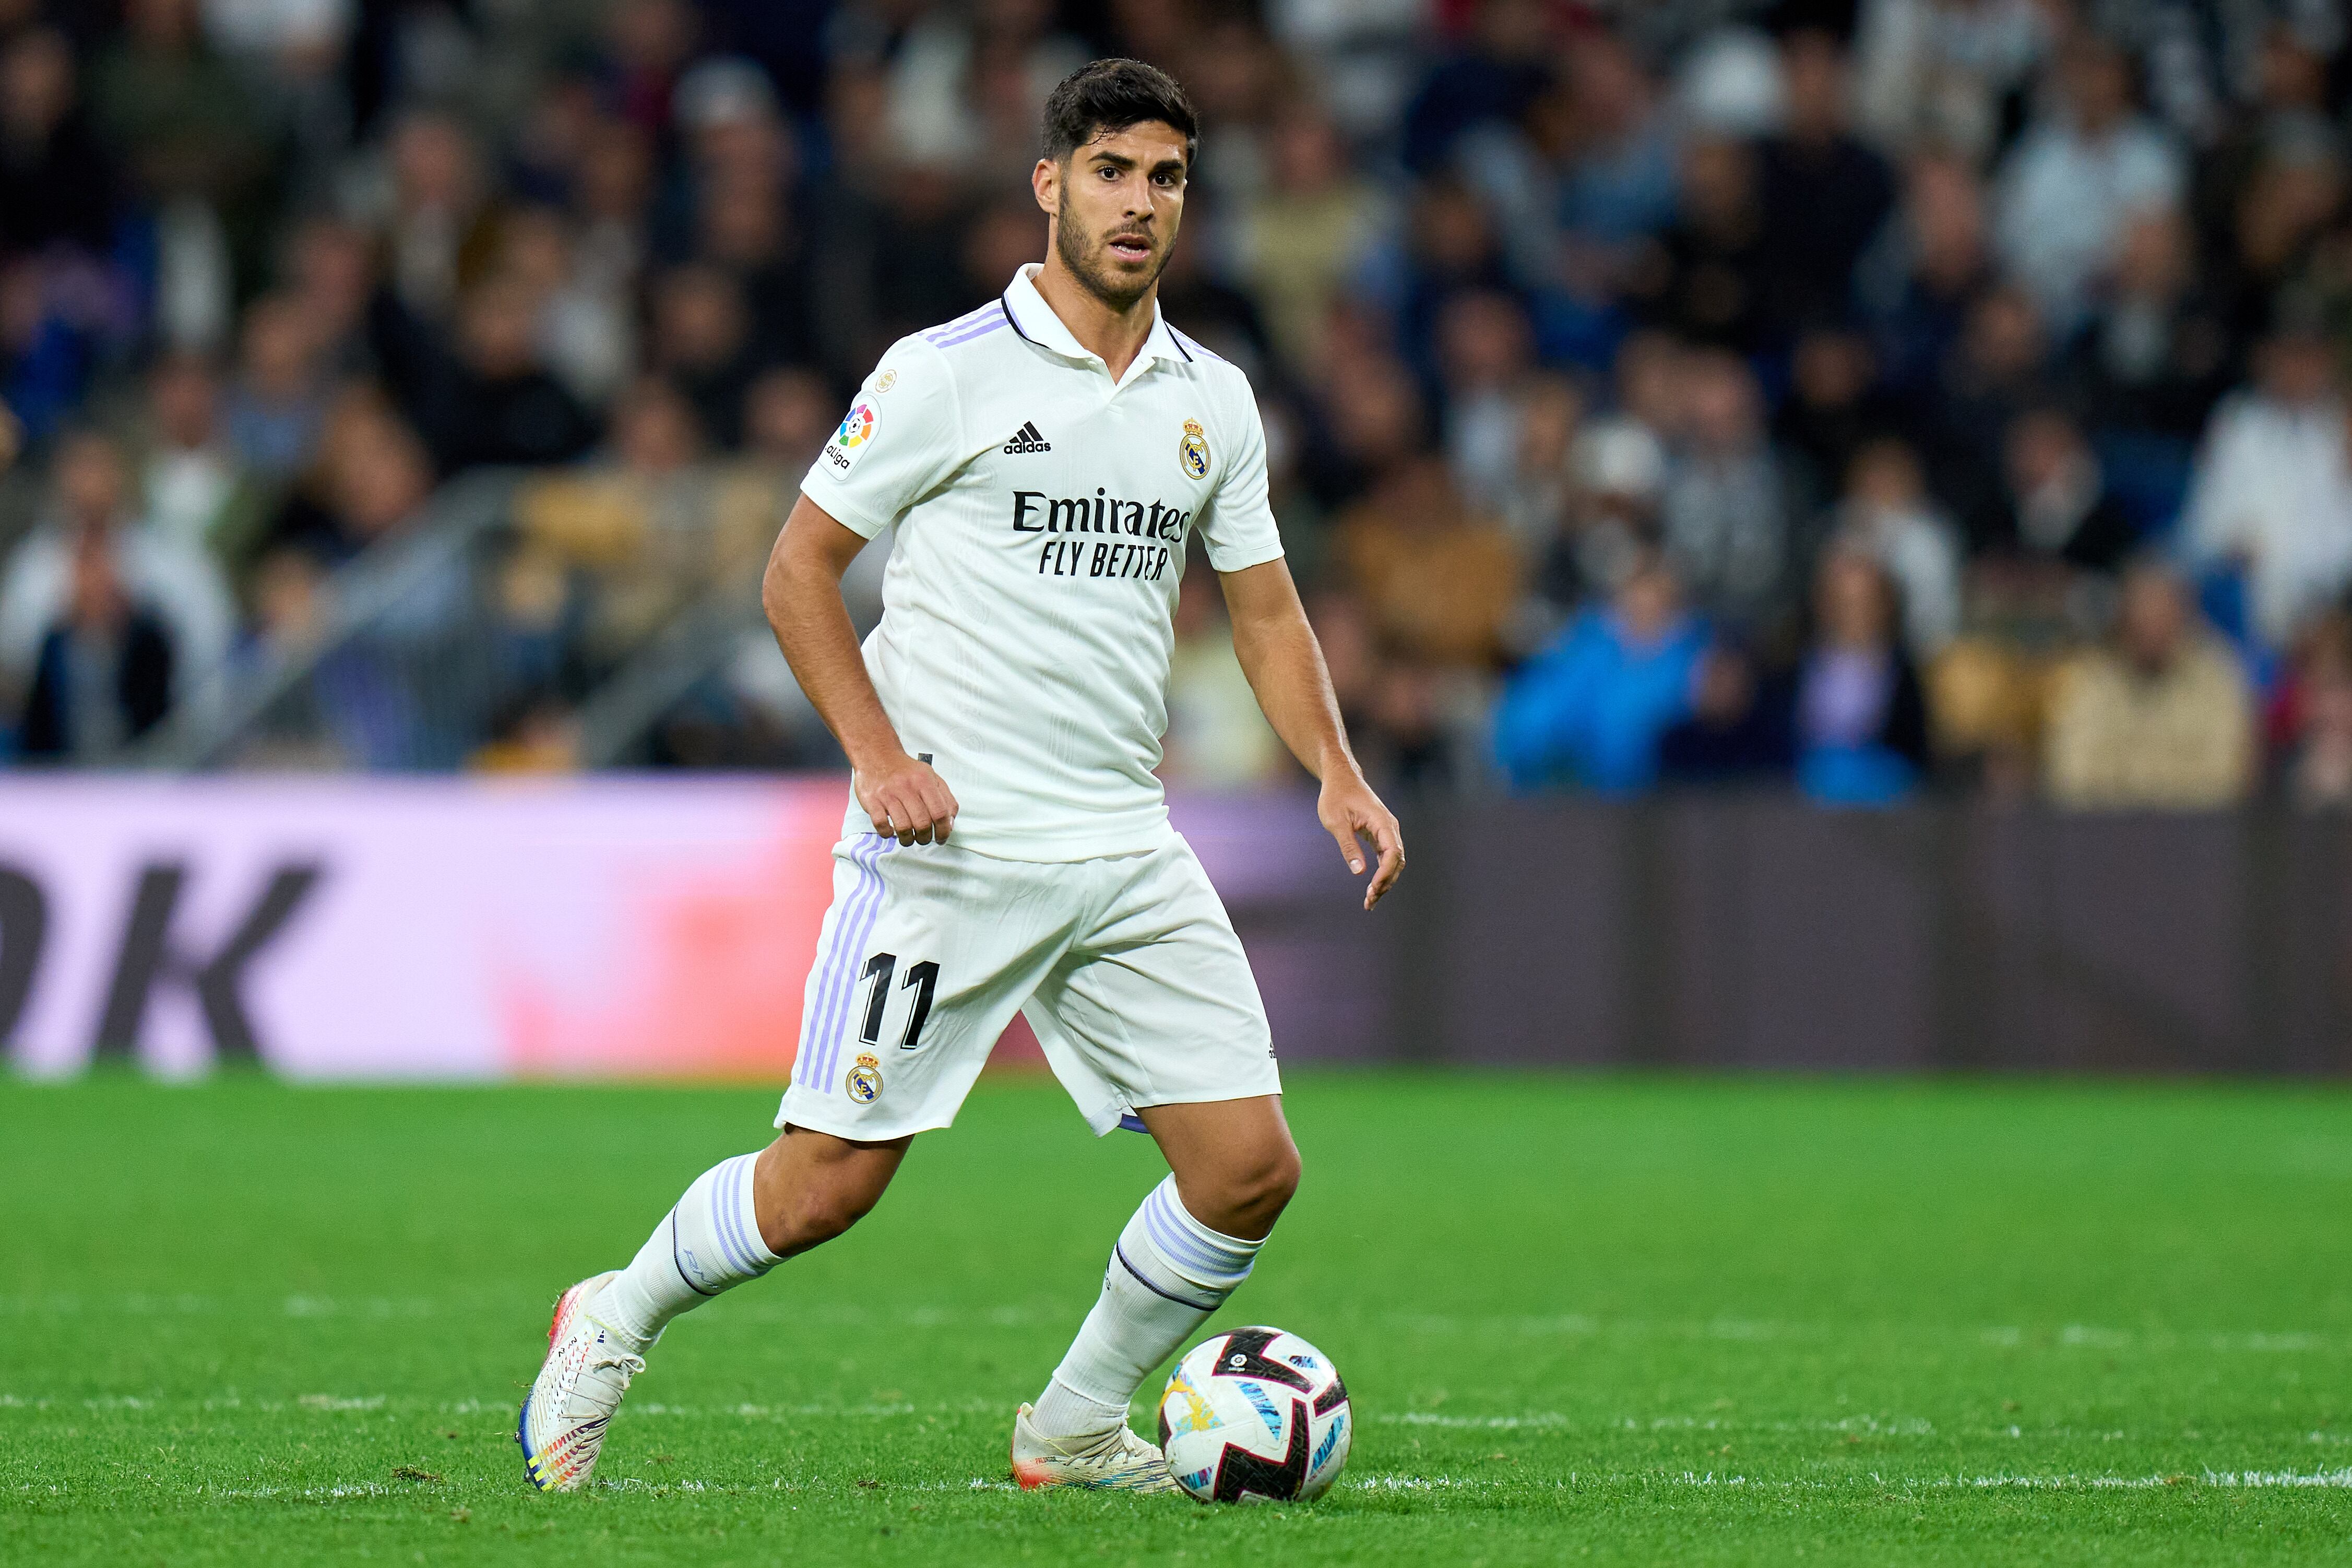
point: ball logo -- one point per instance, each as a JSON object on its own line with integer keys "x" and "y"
{"x": 856, "y": 432}
{"x": 864, "y": 1080}
{"x": 1193, "y": 451}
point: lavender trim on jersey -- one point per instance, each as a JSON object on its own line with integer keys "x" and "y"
{"x": 981, "y": 331}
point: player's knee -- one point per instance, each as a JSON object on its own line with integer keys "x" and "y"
{"x": 1280, "y": 1182}
{"x": 1257, "y": 1190}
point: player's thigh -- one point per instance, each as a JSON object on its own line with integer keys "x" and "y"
{"x": 1156, "y": 1004}
{"x": 924, "y": 956}
{"x": 810, "y": 1186}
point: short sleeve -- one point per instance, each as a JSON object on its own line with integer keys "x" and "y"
{"x": 902, "y": 439}
{"x": 1237, "y": 522}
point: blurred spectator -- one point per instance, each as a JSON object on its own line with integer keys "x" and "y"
{"x": 1921, "y": 281}
{"x": 436, "y": 212}
{"x": 1948, "y": 72}
{"x": 1533, "y": 505}
{"x": 1216, "y": 736}
{"x": 1823, "y": 194}
{"x": 1591, "y": 709}
{"x": 275, "y": 405}
{"x": 1740, "y": 724}
{"x": 103, "y": 675}
{"x": 1610, "y": 523}
{"x": 197, "y": 491}
{"x": 2272, "y": 496}
{"x": 372, "y": 475}
{"x": 586, "y": 336}
{"x": 1888, "y": 519}
{"x": 2157, "y": 353}
{"x": 2058, "y": 507}
{"x": 90, "y": 510}
{"x": 1499, "y": 69}
{"x": 57, "y": 184}
{"x": 1994, "y": 372}
{"x": 2160, "y": 720}
{"x": 496, "y": 403}
{"x": 1300, "y": 239}
{"x": 2078, "y": 177}
{"x": 702, "y": 342}
{"x": 177, "y": 110}
{"x": 1861, "y": 716}
{"x": 1725, "y": 510}
{"x": 2318, "y": 727}
{"x": 1829, "y": 413}
{"x": 1703, "y": 276}
{"x": 1438, "y": 579}
{"x": 1487, "y": 354}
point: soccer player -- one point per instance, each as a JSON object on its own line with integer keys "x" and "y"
{"x": 1006, "y": 847}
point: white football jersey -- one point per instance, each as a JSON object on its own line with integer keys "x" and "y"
{"x": 1029, "y": 605}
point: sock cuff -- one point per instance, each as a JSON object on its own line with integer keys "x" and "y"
{"x": 1195, "y": 1252}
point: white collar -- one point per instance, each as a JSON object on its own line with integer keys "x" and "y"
{"x": 1036, "y": 321}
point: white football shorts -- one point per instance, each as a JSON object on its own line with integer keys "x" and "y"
{"x": 1126, "y": 967}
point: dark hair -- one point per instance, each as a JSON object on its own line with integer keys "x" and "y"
{"x": 1108, "y": 95}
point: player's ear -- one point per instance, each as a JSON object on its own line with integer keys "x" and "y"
{"x": 1046, "y": 181}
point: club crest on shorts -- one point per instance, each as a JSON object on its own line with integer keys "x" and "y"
{"x": 1193, "y": 451}
{"x": 864, "y": 1080}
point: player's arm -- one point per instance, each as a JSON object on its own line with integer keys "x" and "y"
{"x": 801, "y": 593}
{"x": 1285, "y": 665}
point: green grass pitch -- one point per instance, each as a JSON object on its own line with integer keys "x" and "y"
{"x": 1608, "y": 1320}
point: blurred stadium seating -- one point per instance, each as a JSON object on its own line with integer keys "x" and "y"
{"x": 1857, "y": 403}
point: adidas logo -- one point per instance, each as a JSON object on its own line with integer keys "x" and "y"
{"x": 1027, "y": 439}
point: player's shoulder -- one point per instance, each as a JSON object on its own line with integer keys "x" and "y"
{"x": 1216, "y": 375}
{"x": 968, "y": 338}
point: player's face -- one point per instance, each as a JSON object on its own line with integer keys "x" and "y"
{"x": 1118, "y": 201}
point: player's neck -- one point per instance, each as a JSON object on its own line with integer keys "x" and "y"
{"x": 1100, "y": 327}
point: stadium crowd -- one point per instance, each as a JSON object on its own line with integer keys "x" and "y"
{"x": 1882, "y": 396}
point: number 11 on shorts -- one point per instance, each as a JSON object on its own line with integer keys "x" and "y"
{"x": 921, "y": 978}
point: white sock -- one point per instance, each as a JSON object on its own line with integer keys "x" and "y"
{"x": 708, "y": 1243}
{"x": 1167, "y": 1273}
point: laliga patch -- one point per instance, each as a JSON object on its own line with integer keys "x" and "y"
{"x": 864, "y": 1081}
{"x": 1193, "y": 451}
{"x": 849, "y": 443}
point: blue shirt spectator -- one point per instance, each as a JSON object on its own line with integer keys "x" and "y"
{"x": 1592, "y": 707}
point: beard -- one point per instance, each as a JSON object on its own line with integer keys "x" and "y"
{"x": 1090, "y": 263}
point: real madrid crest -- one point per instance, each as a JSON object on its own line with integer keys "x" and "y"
{"x": 1193, "y": 451}
{"x": 864, "y": 1080}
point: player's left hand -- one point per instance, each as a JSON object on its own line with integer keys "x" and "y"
{"x": 1348, "y": 808}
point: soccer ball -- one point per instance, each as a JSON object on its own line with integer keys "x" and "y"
{"x": 1255, "y": 1416}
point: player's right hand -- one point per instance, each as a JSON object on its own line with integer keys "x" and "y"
{"x": 908, "y": 800}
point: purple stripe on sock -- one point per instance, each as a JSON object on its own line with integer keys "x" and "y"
{"x": 1180, "y": 1249}
{"x": 726, "y": 1194}
{"x": 741, "y": 1191}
